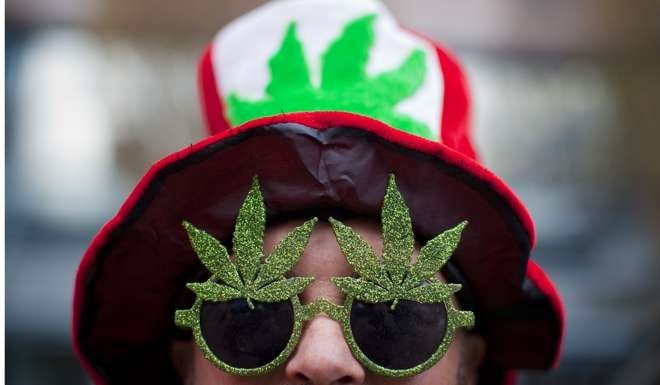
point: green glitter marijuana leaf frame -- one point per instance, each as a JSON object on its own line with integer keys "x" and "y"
{"x": 395, "y": 278}
{"x": 345, "y": 85}
{"x": 247, "y": 277}
{"x": 390, "y": 281}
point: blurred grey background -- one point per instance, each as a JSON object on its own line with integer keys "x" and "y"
{"x": 566, "y": 107}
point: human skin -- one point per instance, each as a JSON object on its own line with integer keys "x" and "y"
{"x": 322, "y": 356}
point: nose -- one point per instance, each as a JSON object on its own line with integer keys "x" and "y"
{"x": 323, "y": 357}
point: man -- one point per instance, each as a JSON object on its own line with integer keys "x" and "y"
{"x": 322, "y": 355}
{"x": 323, "y": 109}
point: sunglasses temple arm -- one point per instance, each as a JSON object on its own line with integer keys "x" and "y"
{"x": 462, "y": 318}
{"x": 322, "y": 305}
{"x": 184, "y": 319}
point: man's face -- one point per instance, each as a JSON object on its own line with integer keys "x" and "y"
{"x": 322, "y": 356}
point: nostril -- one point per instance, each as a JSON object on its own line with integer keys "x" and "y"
{"x": 345, "y": 380}
{"x": 302, "y": 379}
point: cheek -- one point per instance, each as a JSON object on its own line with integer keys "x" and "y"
{"x": 445, "y": 372}
{"x": 203, "y": 372}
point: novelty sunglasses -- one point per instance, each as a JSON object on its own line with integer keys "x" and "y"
{"x": 398, "y": 318}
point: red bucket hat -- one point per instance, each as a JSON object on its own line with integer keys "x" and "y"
{"x": 322, "y": 100}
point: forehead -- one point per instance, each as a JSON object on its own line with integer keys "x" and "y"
{"x": 322, "y": 257}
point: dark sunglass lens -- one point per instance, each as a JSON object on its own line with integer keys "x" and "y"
{"x": 244, "y": 337}
{"x": 401, "y": 338}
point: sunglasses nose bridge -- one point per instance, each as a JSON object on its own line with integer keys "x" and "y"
{"x": 323, "y": 305}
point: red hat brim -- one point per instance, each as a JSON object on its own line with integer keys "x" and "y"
{"x": 307, "y": 163}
